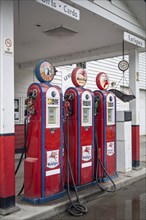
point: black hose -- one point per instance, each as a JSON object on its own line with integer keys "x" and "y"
{"x": 99, "y": 161}
{"x": 75, "y": 208}
{"x": 19, "y": 163}
{"x": 23, "y": 153}
{"x": 24, "y": 148}
{"x": 21, "y": 190}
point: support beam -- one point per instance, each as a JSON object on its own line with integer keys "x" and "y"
{"x": 82, "y": 56}
{"x": 134, "y": 106}
{"x": 7, "y": 163}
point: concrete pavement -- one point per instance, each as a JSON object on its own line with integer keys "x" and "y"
{"x": 50, "y": 209}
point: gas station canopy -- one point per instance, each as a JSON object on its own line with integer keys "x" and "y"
{"x": 73, "y": 31}
{"x": 63, "y": 32}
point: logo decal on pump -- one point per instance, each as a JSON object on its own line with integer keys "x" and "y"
{"x": 86, "y": 153}
{"x": 52, "y": 101}
{"x": 52, "y": 158}
{"x": 110, "y": 148}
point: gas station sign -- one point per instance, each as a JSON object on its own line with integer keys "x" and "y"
{"x": 61, "y": 7}
{"x": 134, "y": 40}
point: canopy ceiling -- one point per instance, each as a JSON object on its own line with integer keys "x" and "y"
{"x": 72, "y": 40}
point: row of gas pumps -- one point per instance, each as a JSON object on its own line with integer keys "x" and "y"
{"x": 71, "y": 139}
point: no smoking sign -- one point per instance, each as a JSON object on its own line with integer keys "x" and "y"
{"x": 8, "y": 46}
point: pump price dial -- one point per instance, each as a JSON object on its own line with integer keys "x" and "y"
{"x": 44, "y": 71}
{"x": 123, "y": 65}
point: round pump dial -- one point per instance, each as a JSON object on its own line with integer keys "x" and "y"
{"x": 79, "y": 77}
{"x": 44, "y": 71}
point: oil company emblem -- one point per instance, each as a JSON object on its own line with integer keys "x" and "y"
{"x": 102, "y": 81}
{"x": 49, "y": 101}
{"x": 47, "y": 71}
{"x": 52, "y": 158}
{"x": 86, "y": 153}
{"x": 79, "y": 77}
{"x": 52, "y": 101}
{"x": 110, "y": 148}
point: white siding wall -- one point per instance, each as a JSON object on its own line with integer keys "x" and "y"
{"x": 142, "y": 112}
{"x": 110, "y": 66}
{"x": 23, "y": 78}
{"x": 142, "y": 70}
{"x": 142, "y": 82}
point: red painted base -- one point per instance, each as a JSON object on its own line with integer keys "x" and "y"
{"x": 135, "y": 146}
{"x": 19, "y": 137}
{"x": 7, "y": 171}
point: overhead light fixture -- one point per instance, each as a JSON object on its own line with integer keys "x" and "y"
{"x": 26, "y": 42}
{"x": 60, "y": 31}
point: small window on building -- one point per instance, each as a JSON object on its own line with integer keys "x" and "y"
{"x": 82, "y": 64}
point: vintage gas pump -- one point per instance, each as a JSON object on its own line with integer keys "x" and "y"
{"x": 43, "y": 165}
{"x": 105, "y": 129}
{"x": 79, "y": 129}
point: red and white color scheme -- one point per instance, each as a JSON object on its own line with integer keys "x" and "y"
{"x": 43, "y": 165}
{"x": 102, "y": 81}
{"x": 7, "y": 162}
{"x": 79, "y": 77}
{"x": 134, "y": 106}
{"x": 79, "y": 132}
{"x": 105, "y": 128}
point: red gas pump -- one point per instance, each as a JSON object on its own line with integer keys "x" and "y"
{"x": 79, "y": 131}
{"x": 43, "y": 165}
{"x": 105, "y": 129}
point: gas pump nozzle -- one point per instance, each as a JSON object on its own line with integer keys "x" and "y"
{"x": 68, "y": 103}
{"x": 30, "y": 94}
{"x": 69, "y": 97}
{"x": 96, "y": 103}
{"x": 30, "y": 102}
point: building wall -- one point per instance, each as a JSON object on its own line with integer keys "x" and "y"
{"x": 142, "y": 112}
{"x": 110, "y": 66}
{"x": 23, "y": 78}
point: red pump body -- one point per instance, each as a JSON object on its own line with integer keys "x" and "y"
{"x": 105, "y": 131}
{"x": 43, "y": 165}
{"x": 79, "y": 134}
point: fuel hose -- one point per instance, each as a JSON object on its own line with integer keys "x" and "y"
{"x": 23, "y": 153}
{"x": 24, "y": 148}
{"x": 74, "y": 208}
{"x": 99, "y": 162}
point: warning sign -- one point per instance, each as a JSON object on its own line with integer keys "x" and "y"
{"x": 8, "y": 46}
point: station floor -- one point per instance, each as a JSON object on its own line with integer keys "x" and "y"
{"x": 50, "y": 209}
